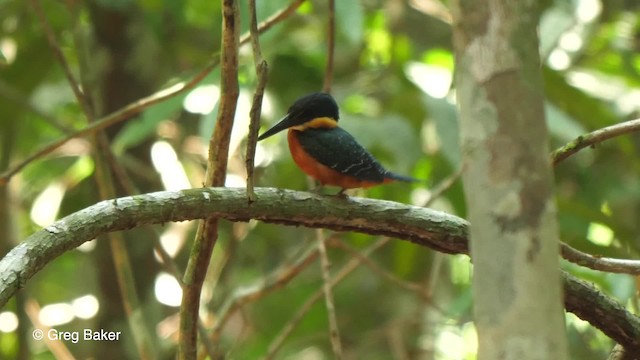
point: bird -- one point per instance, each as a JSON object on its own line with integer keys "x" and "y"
{"x": 326, "y": 152}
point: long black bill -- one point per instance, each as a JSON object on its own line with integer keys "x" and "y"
{"x": 285, "y": 123}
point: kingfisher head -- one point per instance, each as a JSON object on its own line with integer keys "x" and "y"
{"x": 317, "y": 110}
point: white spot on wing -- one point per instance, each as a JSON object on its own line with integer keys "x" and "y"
{"x": 352, "y": 165}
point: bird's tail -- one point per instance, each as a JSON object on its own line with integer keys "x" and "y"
{"x": 395, "y": 177}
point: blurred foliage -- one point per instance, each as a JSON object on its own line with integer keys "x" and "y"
{"x": 393, "y": 79}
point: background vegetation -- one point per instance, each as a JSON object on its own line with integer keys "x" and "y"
{"x": 392, "y": 77}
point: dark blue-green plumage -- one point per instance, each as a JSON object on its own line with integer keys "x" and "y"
{"x": 340, "y": 151}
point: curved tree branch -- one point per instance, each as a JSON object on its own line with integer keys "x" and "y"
{"x": 589, "y": 304}
{"x": 624, "y": 266}
{"x": 612, "y": 265}
{"x": 438, "y": 230}
{"x": 423, "y": 226}
{"x": 593, "y": 138}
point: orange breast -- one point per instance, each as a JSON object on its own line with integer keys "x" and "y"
{"x": 324, "y": 174}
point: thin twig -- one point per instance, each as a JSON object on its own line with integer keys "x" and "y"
{"x": 413, "y": 287}
{"x": 443, "y": 186}
{"x": 612, "y": 265}
{"x": 593, "y": 138}
{"x": 255, "y": 35}
{"x": 274, "y": 19}
{"x": 111, "y": 119}
{"x": 57, "y": 52}
{"x": 422, "y": 291}
{"x": 436, "y": 265}
{"x": 331, "y": 44}
{"x": 353, "y": 264}
{"x": 394, "y": 335}
{"x": 254, "y": 126}
{"x": 262, "y": 70}
{"x": 121, "y": 259}
{"x": 434, "y": 274}
{"x": 274, "y": 281}
{"x": 325, "y": 265}
{"x": 207, "y": 233}
{"x": 57, "y": 347}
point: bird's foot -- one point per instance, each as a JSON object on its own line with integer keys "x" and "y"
{"x": 342, "y": 193}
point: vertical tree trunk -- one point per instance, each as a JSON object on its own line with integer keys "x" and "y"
{"x": 508, "y": 181}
